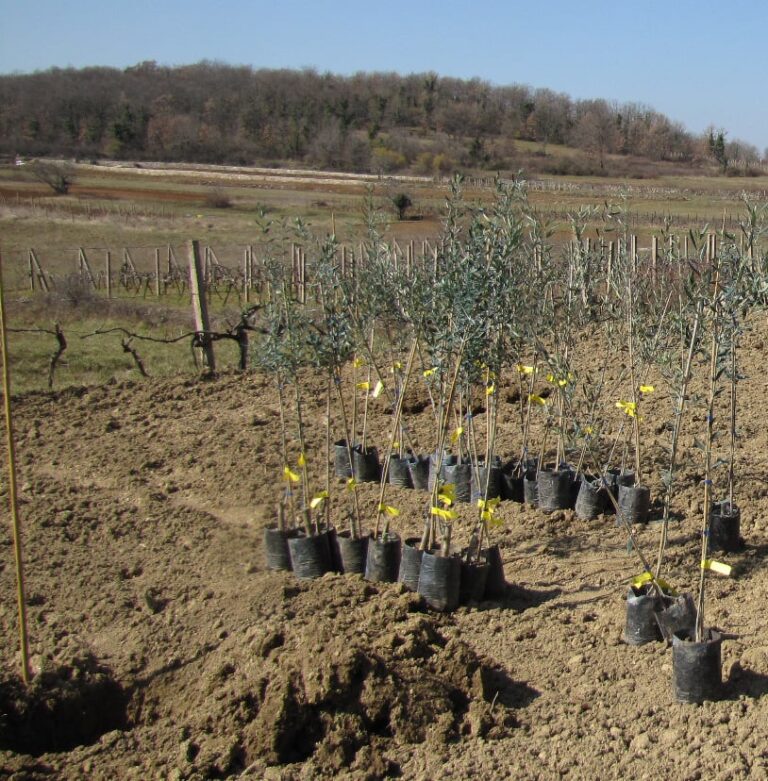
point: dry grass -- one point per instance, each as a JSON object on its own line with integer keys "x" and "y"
{"x": 112, "y": 208}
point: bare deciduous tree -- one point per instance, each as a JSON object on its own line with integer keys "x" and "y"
{"x": 58, "y": 176}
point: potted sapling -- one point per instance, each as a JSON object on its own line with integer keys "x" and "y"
{"x": 696, "y": 655}
{"x": 439, "y": 574}
{"x": 556, "y": 482}
{"x": 725, "y": 515}
{"x": 310, "y": 550}
{"x": 514, "y": 471}
{"x": 384, "y": 546}
{"x": 678, "y": 611}
{"x": 736, "y": 299}
{"x": 273, "y": 359}
{"x": 331, "y": 345}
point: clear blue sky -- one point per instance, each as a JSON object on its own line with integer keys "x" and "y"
{"x": 697, "y": 61}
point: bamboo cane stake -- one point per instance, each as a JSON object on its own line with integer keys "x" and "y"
{"x": 17, "y": 552}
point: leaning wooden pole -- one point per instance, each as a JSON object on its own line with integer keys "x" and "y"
{"x": 25, "y": 673}
{"x": 200, "y": 305}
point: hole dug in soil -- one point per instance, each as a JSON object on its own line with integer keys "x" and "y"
{"x": 63, "y": 707}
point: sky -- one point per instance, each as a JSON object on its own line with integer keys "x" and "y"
{"x": 699, "y": 62}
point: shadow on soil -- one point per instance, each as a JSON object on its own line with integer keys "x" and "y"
{"x": 745, "y": 683}
{"x": 520, "y": 599}
{"x": 507, "y": 691}
{"x": 750, "y": 558}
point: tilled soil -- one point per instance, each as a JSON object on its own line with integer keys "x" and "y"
{"x": 164, "y": 649}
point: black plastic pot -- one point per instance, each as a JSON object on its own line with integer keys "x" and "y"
{"x": 634, "y": 503}
{"x": 353, "y": 552}
{"x": 725, "y": 527}
{"x": 461, "y": 477}
{"x": 334, "y": 550}
{"x": 677, "y": 614}
{"x": 341, "y": 465}
{"x": 496, "y": 583}
{"x": 276, "y": 551}
{"x": 410, "y": 564}
{"x": 439, "y": 581}
{"x": 366, "y": 465}
{"x": 310, "y": 556}
{"x": 590, "y": 502}
{"x": 512, "y": 485}
{"x": 554, "y": 487}
{"x": 479, "y": 477}
{"x": 382, "y": 563}
{"x": 641, "y": 626}
{"x": 473, "y": 581}
{"x": 399, "y": 473}
{"x": 697, "y": 667}
{"x": 448, "y": 460}
{"x": 418, "y": 466}
{"x": 531, "y": 488}
{"x": 616, "y": 478}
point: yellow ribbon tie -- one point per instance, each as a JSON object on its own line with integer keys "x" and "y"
{"x": 393, "y": 512}
{"x": 318, "y": 499}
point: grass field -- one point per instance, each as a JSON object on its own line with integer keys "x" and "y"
{"x": 147, "y": 208}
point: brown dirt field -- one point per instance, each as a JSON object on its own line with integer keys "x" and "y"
{"x": 165, "y": 650}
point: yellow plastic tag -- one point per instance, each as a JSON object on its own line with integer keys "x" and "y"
{"x": 456, "y": 434}
{"x": 318, "y": 499}
{"x": 351, "y": 484}
{"x": 646, "y": 389}
{"x": 363, "y": 386}
{"x": 447, "y": 494}
{"x": 302, "y": 460}
{"x": 490, "y": 390}
{"x": 429, "y": 372}
{"x": 524, "y": 369}
{"x": 358, "y": 362}
{"x": 717, "y": 566}
{"x": 393, "y": 512}
{"x": 534, "y": 399}
{"x": 448, "y": 515}
{"x": 641, "y": 580}
{"x": 628, "y": 407}
{"x": 289, "y": 474}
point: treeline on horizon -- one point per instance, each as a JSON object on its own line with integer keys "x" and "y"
{"x": 380, "y": 122}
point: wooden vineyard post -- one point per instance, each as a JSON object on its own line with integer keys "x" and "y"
{"x": 31, "y": 273}
{"x": 609, "y": 269}
{"x": 633, "y": 252}
{"x": 303, "y": 274}
{"x": 108, "y": 272}
{"x": 12, "y": 494}
{"x": 200, "y": 305}
{"x": 85, "y": 268}
{"x": 654, "y": 256}
{"x": 409, "y": 260}
{"x": 247, "y": 273}
{"x": 158, "y": 281}
{"x": 37, "y": 271}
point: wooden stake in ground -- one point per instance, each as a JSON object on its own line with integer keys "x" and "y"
{"x": 21, "y": 599}
{"x": 200, "y": 305}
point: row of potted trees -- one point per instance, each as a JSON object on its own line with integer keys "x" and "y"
{"x": 497, "y": 299}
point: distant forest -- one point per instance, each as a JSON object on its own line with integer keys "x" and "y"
{"x": 380, "y": 122}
